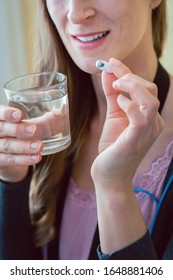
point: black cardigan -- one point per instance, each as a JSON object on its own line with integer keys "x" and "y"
{"x": 16, "y": 232}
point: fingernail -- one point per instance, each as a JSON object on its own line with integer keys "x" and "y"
{"x": 35, "y": 145}
{"x": 115, "y": 85}
{"x": 35, "y": 157}
{"x": 16, "y": 115}
{"x": 30, "y": 129}
{"x": 115, "y": 62}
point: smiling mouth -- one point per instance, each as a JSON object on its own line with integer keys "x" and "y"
{"x": 92, "y": 37}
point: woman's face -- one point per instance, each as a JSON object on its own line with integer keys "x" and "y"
{"x": 101, "y": 29}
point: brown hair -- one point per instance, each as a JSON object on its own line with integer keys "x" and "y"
{"x": 49, "y": 173}
{"x": 159, "y": 27}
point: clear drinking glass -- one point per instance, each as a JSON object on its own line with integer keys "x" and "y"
{"x": 43, "y": 98}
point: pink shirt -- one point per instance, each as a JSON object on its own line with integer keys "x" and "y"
{"x": 79, "y": 223}
{"x": 152, "y": 180}
{"x": 80, "y": 215}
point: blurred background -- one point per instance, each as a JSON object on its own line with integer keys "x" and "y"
{"x": 17, "y": 37}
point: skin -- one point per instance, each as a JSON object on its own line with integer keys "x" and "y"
{"x": 120, "y": 219}
{"x": 114, "y": 17}
{"x": 113, "y": 155}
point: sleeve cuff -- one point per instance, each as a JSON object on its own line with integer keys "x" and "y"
{"x": 142, "y": 249}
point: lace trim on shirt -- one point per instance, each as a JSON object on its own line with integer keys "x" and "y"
{"x": 81, "y": 197}
{"x": 150, "y": 180}
{"x": 153, "y": 178}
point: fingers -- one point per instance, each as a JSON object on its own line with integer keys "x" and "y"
{"x": 15, "y": 152}
{"x": 141, "y": 92}
{"x": 16, "y": 160}
{"x": 18, "y": 144}
{"x": 118, "y": 71}
{"x": 132, "y": 111}
{"x": 49, "y": 124}
{"x": 10, "y": 114}
{"x": 118, "y": 68}
{"x": 21, "y": 130}
{"x": 11, "y": 145}
{"x": 39, "y": 128}
{"x": 11, "y": 124}
{"x": 140, "y": 125}
{"x": 132, "y": 106}
{"x": 111, "y": 93}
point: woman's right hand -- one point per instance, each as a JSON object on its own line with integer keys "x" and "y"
{"x": 18, "y": 150}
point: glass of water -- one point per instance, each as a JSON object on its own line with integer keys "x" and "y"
{"x": 43, "y": 98}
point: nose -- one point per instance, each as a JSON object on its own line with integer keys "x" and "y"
{"x": 79, "y": 11}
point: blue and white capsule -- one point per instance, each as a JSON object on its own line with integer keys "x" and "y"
{"x": 103, "y": 65}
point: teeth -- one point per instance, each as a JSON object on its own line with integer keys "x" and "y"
{"x": 92, "y": 38}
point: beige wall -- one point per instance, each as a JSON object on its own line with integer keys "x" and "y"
{"x": 29, "y": 8}
{"x": 16, "y": 39}
{"x": 167, "y": 58}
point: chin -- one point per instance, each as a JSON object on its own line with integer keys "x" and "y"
{"x": 89, "y": 70}
{"x": 89, "y": 67}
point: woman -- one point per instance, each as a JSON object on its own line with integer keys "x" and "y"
{"x": 119, "y": 139}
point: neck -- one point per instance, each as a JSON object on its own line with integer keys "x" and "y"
{"x": 143, "y": 67}
{"x": 143, "y": 60}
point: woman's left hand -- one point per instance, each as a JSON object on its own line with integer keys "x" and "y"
{"x": 132, "y": 125}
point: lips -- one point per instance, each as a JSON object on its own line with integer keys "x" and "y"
{"x": 90, "y": 38}
{"x": 90, "y": 41}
